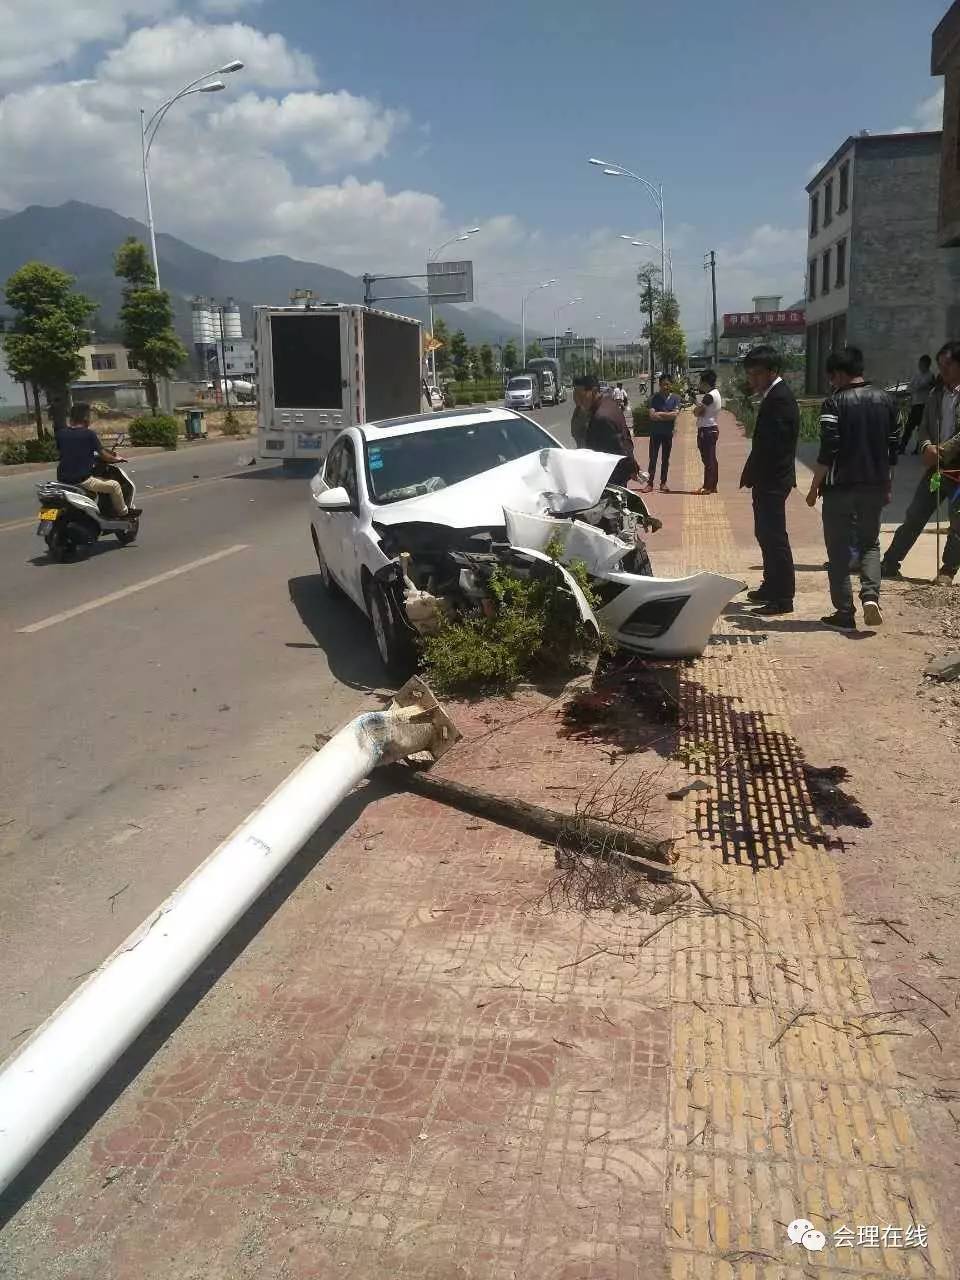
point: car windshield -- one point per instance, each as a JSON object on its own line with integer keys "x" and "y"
{"x": 519, "y": 384}
{"x": 408, "y": 466}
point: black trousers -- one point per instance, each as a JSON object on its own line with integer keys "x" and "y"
{"x": 770, "y": 530}
{"x": 658, "y": 441}
{"x": 914, "y": 418}
{"x": 707, "y": 444}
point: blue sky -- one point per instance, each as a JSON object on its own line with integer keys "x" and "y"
{"x": 360, "y": 134}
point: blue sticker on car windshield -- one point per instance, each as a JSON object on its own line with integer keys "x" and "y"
{"x": 376, "y": 464}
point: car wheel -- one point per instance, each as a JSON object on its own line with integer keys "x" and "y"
{"x": 330, "y": 584}
{"x": 395, "y": 648}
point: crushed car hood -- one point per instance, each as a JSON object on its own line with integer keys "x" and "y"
{"x": 560, "y": 480}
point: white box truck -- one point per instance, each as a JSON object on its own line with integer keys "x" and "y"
{"x": 323, "y": 368}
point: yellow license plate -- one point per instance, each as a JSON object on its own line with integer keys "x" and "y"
{"x": 50, "y": 513}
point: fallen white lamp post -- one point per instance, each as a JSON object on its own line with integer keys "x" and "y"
{"x": 62, "y": 1061}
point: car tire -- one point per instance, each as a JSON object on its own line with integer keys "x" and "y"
{"x": 396, "y": 649}
{"x": 330, "y": 584}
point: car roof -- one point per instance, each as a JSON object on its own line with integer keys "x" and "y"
{"x": 415, "y": 422}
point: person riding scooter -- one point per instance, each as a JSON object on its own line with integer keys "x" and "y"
{"x": 80, "y": 451}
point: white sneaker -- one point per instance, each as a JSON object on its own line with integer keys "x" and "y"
{"x": 872, "y": 616}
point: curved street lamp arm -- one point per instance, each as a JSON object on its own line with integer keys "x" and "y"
{"x": 187, "y": 88}
{"x": 159, "y": 116}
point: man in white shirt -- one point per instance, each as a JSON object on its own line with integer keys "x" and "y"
{"x": 707, "y": 413}
{"x": 940, "y": 451}
{"x": 920, "y": 387}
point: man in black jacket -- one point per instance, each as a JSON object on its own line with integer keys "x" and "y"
{"x": 859, "y": 442}
{"x": 606, "y": 429}
{"x": 771, "y": 473}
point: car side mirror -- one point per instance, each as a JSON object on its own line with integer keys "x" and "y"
{"x": 333, "y": 500}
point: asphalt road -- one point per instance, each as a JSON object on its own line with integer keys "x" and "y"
{"x": 152, "y": 696}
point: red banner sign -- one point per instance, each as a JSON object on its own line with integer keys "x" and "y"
{"x": 757, "y": 321}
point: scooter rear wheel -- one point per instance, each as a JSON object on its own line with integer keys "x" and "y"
{"x": 126, "y": 536}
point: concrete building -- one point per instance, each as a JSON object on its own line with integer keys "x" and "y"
{"x": 876, "y": 274}
{"x": 945, "y": 61}
{"x": 12, "y": 402}
{"x": 238, "y": 358}
{"x": 572, "y": 350}
{"x": 106, "y": 362}
{"x": 108, "y": 377}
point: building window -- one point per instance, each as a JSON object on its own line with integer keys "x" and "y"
{"x": 840, "y": 277}
{"x": 812, "y": 287}
{"x": 843, "y": 199}
{"x": 828, "y": 203}
{"x": 825, "y": 273}
{"x": 814, "y": 214}
{"x": 100, "y": 364}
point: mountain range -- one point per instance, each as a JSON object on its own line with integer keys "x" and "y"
{"x": 82, "y": 239}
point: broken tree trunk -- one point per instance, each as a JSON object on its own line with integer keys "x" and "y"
{"x": 534, "y": 820}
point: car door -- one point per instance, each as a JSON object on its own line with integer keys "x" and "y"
{"x": 336, "y": 530}
{"x": 350, "y": 526}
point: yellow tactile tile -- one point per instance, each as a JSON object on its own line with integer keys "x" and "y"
{"x": 783, "y": 1099}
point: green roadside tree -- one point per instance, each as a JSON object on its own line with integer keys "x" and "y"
{"x": 510, "y": 357}
{"x": 668, "y": 337}
{"x": 460, "y": 355}
{"x": 486, "y": 360}
{"x": 146, "y": 319}
{"x": 534, "y": 350}
{"x": 49, "y": 328}
{"x": 442, "y": 353}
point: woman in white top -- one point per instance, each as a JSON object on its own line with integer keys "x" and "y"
{"x": 707, "y": 413}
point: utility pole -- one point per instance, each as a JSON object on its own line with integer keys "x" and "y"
{"x": 712, "y": 260}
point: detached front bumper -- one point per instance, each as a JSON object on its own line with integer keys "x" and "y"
{"x": 664, "y": 617}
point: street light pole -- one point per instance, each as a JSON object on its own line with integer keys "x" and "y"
{"x": 523, "y": 316}
{"x": 656, "y": 195}
{"x": 432, "y": 257}
{"x": 646, "y": 244}
{"x": 556, "y": 322}
{"x": 149, "y": 129}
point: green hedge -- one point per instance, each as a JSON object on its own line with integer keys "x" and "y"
{"x": 44, "y": 450}
{"x": 14, "y": 452}
{"x": 17, "y": 451}
{"x": 641, "y": 418}
{"x": 746, "y": 411}
{"x": 161, "y": 430}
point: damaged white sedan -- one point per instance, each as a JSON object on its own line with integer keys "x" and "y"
{"x": 411, "y": 516}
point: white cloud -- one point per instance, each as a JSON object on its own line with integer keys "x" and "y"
{"x": 229, "y": 174}
{"x": 222, "y": 170}
{"x": 40, "y": 34}
{"x": 333, "y": 129}
{"x": 173, "y": 53}
{"x": 927, "y": 116}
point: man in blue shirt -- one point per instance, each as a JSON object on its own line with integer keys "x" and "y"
{"x": 80, "y": 451}
{"x": 664, "y": 407}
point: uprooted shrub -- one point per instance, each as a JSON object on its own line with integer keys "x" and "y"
{"x": 532, "y": 629}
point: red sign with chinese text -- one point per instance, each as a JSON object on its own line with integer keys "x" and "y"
{"x": 762, "y": 321}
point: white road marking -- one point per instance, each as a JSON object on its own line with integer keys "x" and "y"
{"x": 131, "y": 590}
